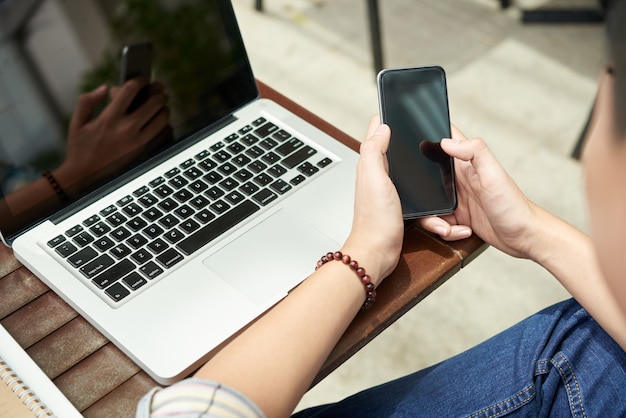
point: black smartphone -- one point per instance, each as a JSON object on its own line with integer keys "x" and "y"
{"x": 136, "y": 61}
{"x": 414, "y": 103}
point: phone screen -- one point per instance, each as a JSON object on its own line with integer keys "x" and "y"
{"x": 414, "y": 103}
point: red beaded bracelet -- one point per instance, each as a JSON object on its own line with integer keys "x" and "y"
{"x": 366, "y": 280}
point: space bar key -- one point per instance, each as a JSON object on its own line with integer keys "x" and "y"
{"x": 216, "y": 228}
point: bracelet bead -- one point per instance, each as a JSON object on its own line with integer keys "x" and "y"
{"x": 366, "y": 280}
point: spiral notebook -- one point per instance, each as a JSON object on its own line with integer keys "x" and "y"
{"x": 25, "y": 390}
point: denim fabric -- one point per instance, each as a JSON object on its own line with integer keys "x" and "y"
{"x": 557, "y": 363}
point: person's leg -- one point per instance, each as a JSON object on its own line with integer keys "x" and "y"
{"x": 558, "y": 362}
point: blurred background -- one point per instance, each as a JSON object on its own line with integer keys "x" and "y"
{"x": 526, "y": 88}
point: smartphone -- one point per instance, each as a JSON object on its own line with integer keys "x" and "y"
{"x": 414, "y": 103}
{"x": 136, "y": 61}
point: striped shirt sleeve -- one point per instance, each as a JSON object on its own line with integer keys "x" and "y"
{"x": 197, "y": 398}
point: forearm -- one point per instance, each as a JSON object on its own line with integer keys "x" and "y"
{"x": 568, "y": 254}
{"x": 275, "y": 360}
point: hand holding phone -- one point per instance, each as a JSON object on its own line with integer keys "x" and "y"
{"x": 414, "y": 103}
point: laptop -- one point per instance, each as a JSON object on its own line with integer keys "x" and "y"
{"x": 170, "y": 251}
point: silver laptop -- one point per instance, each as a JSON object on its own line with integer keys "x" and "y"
{"x": 172, "y": 253}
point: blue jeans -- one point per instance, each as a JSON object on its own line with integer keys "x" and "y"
{"x": 557, "y": 363}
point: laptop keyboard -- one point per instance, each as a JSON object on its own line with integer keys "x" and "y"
{"x": 135, "y": 241}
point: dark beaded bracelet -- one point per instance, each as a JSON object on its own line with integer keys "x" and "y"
{"x": 55, "y": 186}
{"x": 366, "y": 280}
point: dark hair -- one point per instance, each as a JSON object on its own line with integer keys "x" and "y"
{"x": 616, "y": 31}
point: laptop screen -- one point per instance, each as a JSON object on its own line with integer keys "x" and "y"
{"x": 62, "y": 135}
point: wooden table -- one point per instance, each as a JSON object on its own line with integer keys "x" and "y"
{"x": 103, "y": 382}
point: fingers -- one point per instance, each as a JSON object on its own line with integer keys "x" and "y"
{"x": 377, "y": 139}
{"x": 445, "y": 228}
{"x": 122, "y": 97}
{"x": 87, "y": 102}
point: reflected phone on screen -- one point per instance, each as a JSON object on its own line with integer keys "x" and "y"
{"x": 414, "y": 103}
{"x": 136, "y": 61}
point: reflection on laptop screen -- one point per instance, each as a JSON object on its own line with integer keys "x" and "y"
{"x": 53, "y": 51}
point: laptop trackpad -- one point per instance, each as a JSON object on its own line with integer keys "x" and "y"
{"x": 272, "y": 257}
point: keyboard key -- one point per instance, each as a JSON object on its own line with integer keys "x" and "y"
{"x": 178, "y": 182}
{"x": 74, "y": 230}
{"x": 234, "y": 197}
{"x": 219, "y": 207}
{"x": 152, "y": 214}
{"x": 136, "y": 224}
{"x": 228, "y": 184}
{"x": 289, "y": 146}
{"x": 241, "y": 160}
{"x": 221, "y": 156}
{"x": 97, "y": 266}
{"x": 227, "y": 168}
{"x": 243, "y": 175}
{"x": 137, "y": 241}
{"x": 324, "y": 162}
{"x": 249, "y": 188}
{"x": 298, "y": 157}
{"x": 204, "y": 216}
{"x": 183, "y": 195}
{"x": 173, "y": 236}
{"x": 198, "y": 186}
{"x": 263, "y": 179}
{"x": 185, "y": 211}
{"x": 268, "y": 143}
{"x": 202, "y": 155}
{"x": 168, "y": 221}
{"x": 120, "y": 234}
{"x": 266, "y": 130}
{"x": 124, "y": 201}
{"x": 91, "y": 220}
{"x": 218, "y": 145}
{"x": 66, "y": 249}
{"x": 172, "y": 173}
{"x": 147, "y": 200}
{"x": 163, "y": 191}
{"x": 153, "y": 231}
{"x": 132, "y": 209}
{"x": 270, "y": 158}
{"x": 308, "y": 169}
{"x": 108, "y": 210}
{"x": 134, "y": 281}
{"x": 117, "y": 292}
{"x": 168, "y": 205}
{"x": 141, "y": 191}
{"x": 208, "y": 164}
{"x": 120, "y": 251}
{"x": 235, "y": 148}
{"x": 103, "y": 243}
{"x": 277, "y": 170}
{"x": 100, "y": 229}
{"x": 56, "y": 241}
{"x": 280, "y": 186}
{"x": 250, "y": 140}
{"x": 187, "y": 163}
{"x": 83, "y": 239}
{"x": 157, "y": 246}
{"x": 169, "y": 258}
{"x": 214, "y": 193}
{"x": 82, "y": 257}
{"x": 150, "y": 270}
{"x": 156, "y": 182}
{"x": 297, "y": 179}
{"x": 264, "y": 197}
{"x": 230, "y": 138}
{"x": 257, "y": 166}
{"x": 199, "y": 202}
{"x": 193, "y": 173}
{"x": 141, "y": 256}
{"x": 216, "y": 228}
{"x": 245, "y": 129}
{"x": 281, "y": 135}
{"x": 213, "y": 177}
{"x": 189, "y": 226}
{"x": 116, "y": 219}
{"x": 113, "y": 274}
{"x": 257, "y": 122}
